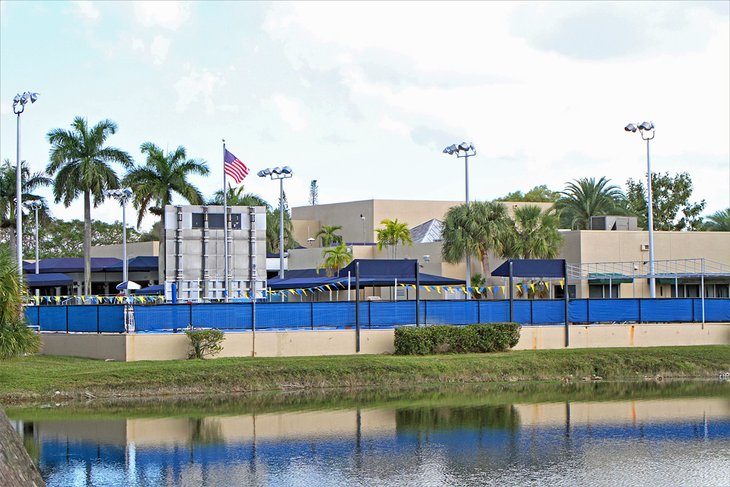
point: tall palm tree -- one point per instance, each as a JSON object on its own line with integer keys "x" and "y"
{"x": 335, "y": 258}
{"x": 718, "y": 221}
{"x": 80, "y": 162}
{"x": 534, "y": 234}
{"x": 475, "y": 230}
{"x": 154, "y": 184}
{"x": 583, "y": 198}
{"x": 395, "y": 232}
{"x": 328, "y": 235}
{"x": 29, "y": 183}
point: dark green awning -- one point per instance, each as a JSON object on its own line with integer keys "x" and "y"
{"x": 608, "y": 278}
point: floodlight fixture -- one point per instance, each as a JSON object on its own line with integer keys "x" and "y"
{"x": 280, "y": 173}
{"x": 630, "y": 128}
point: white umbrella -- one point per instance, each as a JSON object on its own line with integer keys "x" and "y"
{"x": 131, "y": 285}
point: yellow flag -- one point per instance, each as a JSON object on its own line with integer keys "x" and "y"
{"x": 562, "y": 283}
{"x": 438, "y": 289}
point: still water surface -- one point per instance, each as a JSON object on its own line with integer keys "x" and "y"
{"x": 598, "y": 434}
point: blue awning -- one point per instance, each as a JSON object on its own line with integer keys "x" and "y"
{"x": 157, "y": 289}
{"x": 71, "y": 264}
{"x": 48, "y": 280}
{"x": 139, "y": 263}
{"x": 532, "y": 268}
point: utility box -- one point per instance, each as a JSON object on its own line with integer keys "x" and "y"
{"x": 610, "y": 222}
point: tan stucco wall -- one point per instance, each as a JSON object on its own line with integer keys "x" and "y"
{"x": 134, "y": 249}
{"x": 342, "y": 342}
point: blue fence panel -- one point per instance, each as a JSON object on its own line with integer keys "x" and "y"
{"x": 334, "y": 314}
{"x": 451, "y": 312}
{"x": 548, "y": 312}
{"x": 390, "y": 313}
{"x": 225, "y": 316}
{"x": 52, "y": 318}
{"x": 715, "y": 309}
{"x": 161, "y": 317}
{"x": 666, "y": 310}
{"x": 522, "y": 312}
{"x": 578, "y": 311}
{"x": 32, "y": 315}
{"x": 613, "y": 310}
{"x": 111, "y": 318}
{"x": 283, "y": 315}
{"x": 493, "y": 311}
{"x": 82, "y": 318}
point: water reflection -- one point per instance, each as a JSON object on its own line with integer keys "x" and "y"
{"x": 433, "y": 438}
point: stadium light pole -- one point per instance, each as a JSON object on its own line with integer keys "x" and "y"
{"x": 19, "y": 102}
{"x": 464, "y": 150}
{"x": 35, "y": 205}
{"x": 280, "y": 173}
{"x": 122, "y": 196}
{"x": 646, "y": 129}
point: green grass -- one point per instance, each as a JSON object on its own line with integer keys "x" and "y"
{"x": 37, "y": 378}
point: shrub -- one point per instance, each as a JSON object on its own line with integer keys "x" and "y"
{"x": 205, "y": 342}
{"x": 15, "y": 337}
{"x": 493, "y": 337}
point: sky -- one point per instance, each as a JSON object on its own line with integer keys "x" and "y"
{"x": 363, "y": 97}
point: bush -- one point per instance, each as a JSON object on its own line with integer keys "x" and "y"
{"x": 15, "y": 337}
{"x": 493, "y": 337}
{"x": 205, "y": 342}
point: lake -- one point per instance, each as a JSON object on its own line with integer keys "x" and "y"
{"x": 510, "y": 434}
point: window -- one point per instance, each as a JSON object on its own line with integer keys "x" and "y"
{"x": 215, "y": 220}
{"x": 600, "y": 291}
{"x": 560, "y": 294}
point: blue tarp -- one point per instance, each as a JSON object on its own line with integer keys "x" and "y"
{"x": 532, "y": 268}
{"x": 48, "y": 280}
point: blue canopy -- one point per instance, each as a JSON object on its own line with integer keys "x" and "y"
{"x": 71, "y": 264}
{"x": 48, "y": 280}
{"x": 139, "y": 263}
{"x": 152, "y": 290}
{"x": 373, "y": 272}
{"x": 532, "y": 268}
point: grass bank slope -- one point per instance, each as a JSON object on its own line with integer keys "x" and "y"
{"x": 39, "y": 377}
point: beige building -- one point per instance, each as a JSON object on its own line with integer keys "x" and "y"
{"x": 597, "y": 258}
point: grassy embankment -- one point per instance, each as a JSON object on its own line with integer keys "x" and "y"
{"x": 39, "y": 377}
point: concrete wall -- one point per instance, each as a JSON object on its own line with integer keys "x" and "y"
{"x": 134, "y": 249}
{"x": 142, "y": 346}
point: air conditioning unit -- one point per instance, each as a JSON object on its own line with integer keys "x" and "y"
{"x": 644, "y": 247}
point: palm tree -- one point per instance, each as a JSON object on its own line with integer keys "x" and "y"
{"x": 335, "y": 258}
{"x": 236, "y": 197}
{"x": 476, "y": 229}
{"x": 15, "y": 337}
{"x": 329, "y": 235}
{"x": 29, "y": 182}
{"x": 81, "y": 165}
{"x": 154, "y": 184}
{"x": 534, "y": 234}
{"x": 395, "y": 232}
{"x": 583, "y": 198}
{"x": 272, "y": 231}
{"x": 718, "y": 221}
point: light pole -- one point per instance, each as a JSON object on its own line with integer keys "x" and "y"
{"x": 646, "y": 129}
{"x": 35, "y": 205}
{"x": 19, "y": 103}
{"x": 280, "y": 173}
{"x": 122, "y": 195}
{"x": 464, "y": 150}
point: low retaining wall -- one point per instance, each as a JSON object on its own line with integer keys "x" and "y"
{"x": 141, "y": 346}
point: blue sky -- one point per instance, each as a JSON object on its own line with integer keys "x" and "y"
{"x": 363, "y": 96}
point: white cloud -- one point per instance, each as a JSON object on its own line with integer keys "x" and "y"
{"x": 166, "y": 14}
{"x": 197, "y": 87}
{"x": 387, "y": 123}
{"x": 290, "y": 111}
{"x": 87, "y": 9}
{"x": 158, "y": 49}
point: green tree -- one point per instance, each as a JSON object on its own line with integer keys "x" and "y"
{"x": 335, "y": 258}
{"x": 15, "y": 337}
{"x": 476, "y": 229}
{"x": 272, "y": 231}
{"x": 328, "y": 235}
{"x": 718, "y": 221}
{"x": 59, "y": 238}
{"x": 670, "y": 198}
{"x": 394, "y": 233}
{"x": 237, "y": 197}
{"x": 162, "y": 175}
{"x": 583, "y": 198}
{"x": 80, "y": 163}
{"x": 538, "y": 194}
{"x": 313, "y": 192}
{"x": 29, "y": 183}
{"x": 534, "y": 234}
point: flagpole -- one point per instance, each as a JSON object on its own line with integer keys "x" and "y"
{"x": 225, "y": 228}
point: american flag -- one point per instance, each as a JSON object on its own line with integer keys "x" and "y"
{"x": 234, "y": 167}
